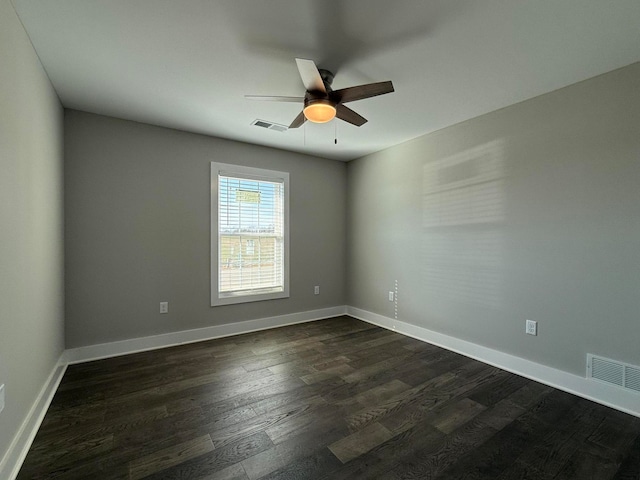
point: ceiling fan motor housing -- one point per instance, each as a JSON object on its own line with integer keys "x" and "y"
{"x": 311, "y": 98}
{"x": 327, "y": 78}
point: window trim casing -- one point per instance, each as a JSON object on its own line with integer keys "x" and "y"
{"x": 252, "y": 173}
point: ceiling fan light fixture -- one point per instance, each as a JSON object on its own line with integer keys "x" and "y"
{"x": 319, "y": 110}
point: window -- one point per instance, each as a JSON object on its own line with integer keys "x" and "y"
{"x": 249, "y": 234}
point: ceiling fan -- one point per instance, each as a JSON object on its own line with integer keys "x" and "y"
{"x": 321, "y": 103}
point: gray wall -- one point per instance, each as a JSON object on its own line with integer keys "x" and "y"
{"x": 31, "y": 219}
{"x": 530, "y": 212}
{"x": 138, "y": 229}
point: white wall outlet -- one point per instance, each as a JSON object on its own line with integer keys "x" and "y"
{"x": 164, "y": 307}
{"x": 391, "y": 296}
{"x": 1, "y": 397}
{"x": 316, "y": 290}
{"x": 531, "y": 327}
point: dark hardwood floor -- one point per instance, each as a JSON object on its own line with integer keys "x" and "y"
{"x": 334, "y": 399}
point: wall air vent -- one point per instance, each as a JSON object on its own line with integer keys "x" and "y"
{"x": 270, "y": 125}
{"x": 613, "y": 372}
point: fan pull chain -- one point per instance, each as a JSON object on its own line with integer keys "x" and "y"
{"x": 335, "y": 133}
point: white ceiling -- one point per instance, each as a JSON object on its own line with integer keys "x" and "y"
{"x": 187, "y": 64}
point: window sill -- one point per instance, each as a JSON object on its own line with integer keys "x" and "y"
{"x": 235, "y": 298}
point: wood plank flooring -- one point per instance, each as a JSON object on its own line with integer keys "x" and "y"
{"x": 333, "y": 399}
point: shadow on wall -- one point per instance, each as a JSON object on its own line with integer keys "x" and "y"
{"x": 462, "y": 215}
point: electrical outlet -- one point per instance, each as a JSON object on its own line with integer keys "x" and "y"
{"x": 391, "y": 296}
{"x": 164, "y": 307}
{"x": 1, "y": 397}
{"x": 316, "y": 290}
{"x": 531, "y": 327}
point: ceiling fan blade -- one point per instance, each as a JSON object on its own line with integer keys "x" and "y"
{"x": 298, "y": 121}
{"x": 360, "y": 92}
{"x": 274, "y": 98}
{"x": 348, "y": 115}
{"x": 310, "y": 75}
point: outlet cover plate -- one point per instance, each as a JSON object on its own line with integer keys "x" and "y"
{"x": 164, "y": 307}
{"x": 1, "y": 397}
{"x": 531, "y": 327}
{"x": 316, "y": 290}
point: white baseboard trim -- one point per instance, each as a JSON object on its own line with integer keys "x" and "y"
{"x": 611, "y": 396}
{"x": 17, "y": 452}
{"x": 135, "y": 345}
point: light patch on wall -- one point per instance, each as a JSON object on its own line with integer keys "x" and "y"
{"x": 465, "y": 188}
{"x": 463, "y": 212}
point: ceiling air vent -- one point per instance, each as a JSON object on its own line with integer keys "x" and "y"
{"x": 270, "y": 125}
{"x": 613, "y": 372}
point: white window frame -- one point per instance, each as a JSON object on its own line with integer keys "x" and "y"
{"x": 252, "y": 173}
